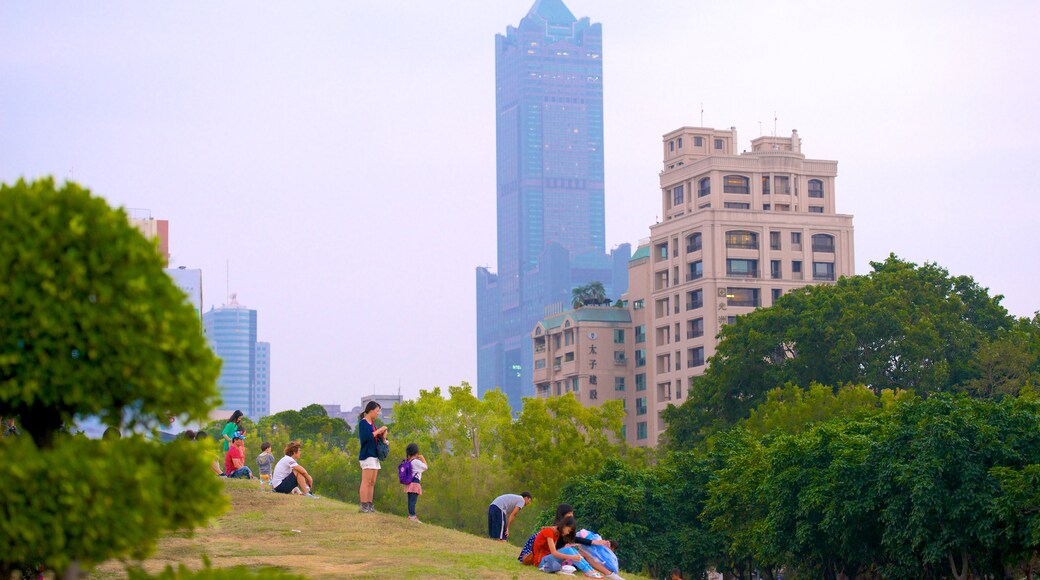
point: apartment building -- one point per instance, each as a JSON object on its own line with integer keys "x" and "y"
{"x": 738, "y": 231}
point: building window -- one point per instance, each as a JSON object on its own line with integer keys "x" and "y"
{"x": 815, "y": 188}
{"x": 619, "y": 383}
{"x": 568, "y": 357}
{"x": 641, "y": 382}
{"x": 774, "y": 269}
{"x": 765, "y": 185}
{"x": 574, "y": 384}
{"x": 741, "y": 268}
{"x": 539, "y": 364}
{"x": 782, "y": 184}
{"x": 593, "y": 394}
{"x": 671, "y": 145}
{"x": 662, "y": 251}
{"x": 640, "y": 357}
{"x": 638, "y": 304}
{"x": 568, "y": 337}
{"x": 815, "y": 209}
{"x": 704, "y": 187}
{"x": 766, "y": 206}
{"x": 736, "y": 205}
{"x": 735, "y": 184}
{"x": 823, "y": 243}
{"x": 679, "y": 142}
{"x": 695, "y": 328}
{"x": 677, "y": 195}
{"x": 743, "y": 297}
{"x": 698, "y": 141}
{"x": 556, "y": 362}
{"x": 619, "y": 336}
{"x": 640, "y": 405}
{"x": 694, "y": 299}
{"x": 624, "y": 432}
{"x": 796, "y": 269}
{"x": 796, "y": 240}
{"x": 695, "y": 357}
{"x": 640, "y": 333}
{"x": 693, "y": 242}
{"x": 641, "y": 430}
{"x": 741, "y": 239}
{"x": 823, "y": 270}
{"x": 696, "y": 271}
{"x": 718, "y": 144}
{"x": 776, "y": 294}
{"x": 774, "y": 240}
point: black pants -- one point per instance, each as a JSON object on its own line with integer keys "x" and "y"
{"x": 496, "y": 522}
{"x": 287, "y": 484}
{"x": 412, "y": 498}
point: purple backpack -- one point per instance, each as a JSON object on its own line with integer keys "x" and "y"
{"x": 404, "y": 472}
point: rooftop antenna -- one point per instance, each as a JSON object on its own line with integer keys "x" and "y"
{"x": 776, "y": 146}
{"x": 760, "y": 128}
{"x": 702, "y": 114}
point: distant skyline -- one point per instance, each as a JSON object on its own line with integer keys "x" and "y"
{"x": 341, "y": 156}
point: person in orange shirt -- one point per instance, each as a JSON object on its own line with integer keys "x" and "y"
{"x": 548, "y": 559}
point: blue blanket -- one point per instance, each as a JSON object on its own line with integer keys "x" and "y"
{"x": 601, "y": 553}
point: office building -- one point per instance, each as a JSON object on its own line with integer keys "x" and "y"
{"x": 738, "y": 232}
{"x": 189, "y": 280}
{"x": 550, "y": 190}
{"x": 232, "y": 330}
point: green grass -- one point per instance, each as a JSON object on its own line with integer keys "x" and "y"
{"x": 325, "y": 538}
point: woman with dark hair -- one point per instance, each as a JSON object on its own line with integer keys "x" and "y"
{"x": 369, "y": 456}
{"x": 548, "y": 558}
{"x": 585, "y": 545}
{"x": 230, "y": 429}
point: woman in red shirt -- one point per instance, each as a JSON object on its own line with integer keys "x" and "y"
{"x": 548, "y": 559}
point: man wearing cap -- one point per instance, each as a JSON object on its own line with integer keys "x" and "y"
{"x": 235, "y": 460}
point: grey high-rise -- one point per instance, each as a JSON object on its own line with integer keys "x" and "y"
{"x": 550, "y": 190}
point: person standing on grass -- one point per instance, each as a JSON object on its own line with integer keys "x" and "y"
{"x": 289, "y": 476}
{"x": 235, "y": 460}
{"x": 230, "y": 429}
{"x": 502, "y": 511}
{"x": 369, "y": 456}
{"x": 264, "y": 462}
{"x": 414, "y": 487}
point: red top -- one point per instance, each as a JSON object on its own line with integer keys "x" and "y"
{"x": 541, "y": 549}
{"x": 229, "y": 466}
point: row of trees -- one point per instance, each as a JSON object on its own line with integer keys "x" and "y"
{"x": 476, "y": 449}
{"x": 943, "y": 487}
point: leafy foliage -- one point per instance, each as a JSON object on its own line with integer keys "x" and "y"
{"x": 591, "y": 294}
{"x": 91, "y": 325}
{"x": 901, "y": 327}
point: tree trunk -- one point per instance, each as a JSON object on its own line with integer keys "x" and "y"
{"x": 963, "y": 574}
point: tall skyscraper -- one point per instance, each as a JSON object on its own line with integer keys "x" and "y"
{"x": 551, "y": 232}
{"x": 231, "y": 330}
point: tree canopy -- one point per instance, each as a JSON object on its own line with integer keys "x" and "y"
{"x": 900, "y": 327}
{"x": 92, "y": 326}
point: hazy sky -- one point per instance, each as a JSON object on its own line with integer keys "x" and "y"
{"x": 341, "y": 155}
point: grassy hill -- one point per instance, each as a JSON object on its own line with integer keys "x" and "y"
{"x": 325, "y": 538}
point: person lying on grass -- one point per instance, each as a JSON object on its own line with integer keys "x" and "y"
{"x": 588, "y": 546}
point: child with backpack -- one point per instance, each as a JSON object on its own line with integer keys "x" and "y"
{"x": 409, "y": 473}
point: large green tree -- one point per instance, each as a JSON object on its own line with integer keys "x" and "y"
{"x": 90, "y": 325}
{"x": 902, "y": 326}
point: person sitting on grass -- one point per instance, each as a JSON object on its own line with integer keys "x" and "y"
{"x": 235, "y": 460}
{"x": 264, "y": 462}
{"x": 211, "y": 456}
{"x": 289, "y": 476}
{"x": 589, "y": 548}
{"x": 547, "y": 558}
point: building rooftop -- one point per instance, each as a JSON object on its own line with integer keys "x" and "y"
{"x": 553, "y": 12}
{"x": 641, "y": 252}
{"x": 589, "y": 314}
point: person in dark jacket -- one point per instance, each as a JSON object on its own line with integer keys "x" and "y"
{"x": 368, "y": 457}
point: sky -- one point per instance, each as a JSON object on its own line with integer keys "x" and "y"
{"x": 333, "y": 162}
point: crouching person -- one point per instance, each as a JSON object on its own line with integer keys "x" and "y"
{"x": 547, "y": 558}
{"x": 289, "y": 476}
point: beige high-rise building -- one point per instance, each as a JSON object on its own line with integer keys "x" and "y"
{"x": 739, "y": 231}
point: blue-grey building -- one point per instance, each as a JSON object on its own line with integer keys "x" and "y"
{"x": 231, "y": 331}
{"x": 551, "y": 231}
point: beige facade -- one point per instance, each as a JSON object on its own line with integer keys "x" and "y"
{"x": 738, "y": 232}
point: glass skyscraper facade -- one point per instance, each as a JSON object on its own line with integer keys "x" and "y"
{"x": 550, "y": 190}
{"x": 231, "y": 331}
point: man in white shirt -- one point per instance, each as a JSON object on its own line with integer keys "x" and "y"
{"x": 289, "y": 476}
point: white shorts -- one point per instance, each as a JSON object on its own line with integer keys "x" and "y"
{"x": 370, "y": 463}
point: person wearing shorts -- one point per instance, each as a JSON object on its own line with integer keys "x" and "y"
{"x": 368, "y": 457}
{"x": 289, "y": 476}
